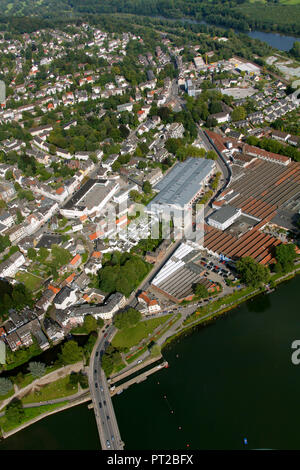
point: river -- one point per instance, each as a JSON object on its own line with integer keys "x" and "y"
{"x": 279, "y": 41}
{"x": 230, "y": 380}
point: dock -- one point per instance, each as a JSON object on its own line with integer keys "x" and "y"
{"x": 116, "y": 389}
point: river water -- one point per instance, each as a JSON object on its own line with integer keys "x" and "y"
{"x": 279, "y": 41}
{"x": 230, "y": 380}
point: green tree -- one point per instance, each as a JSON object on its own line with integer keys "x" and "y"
{"x": 127, "y": 318}
{"x": 147, "y": 188}
{"x": 155, "y": 350}
{"x": 71, "y": 352}
{"x": 37, "y": 369}
{"x": 285, "y": 255}
{"x": 200, "y": 291}
{"x": 90, "y": 323}
{"x": 295, "y": 51}
{"x": 14, "y": 411}
{"x": 5, "y": 385}
{"x": 211, "y": 155}
{"x": 32, "y": 254}
{"x": 252, "y": 273}
{"x": 238, "y": 113}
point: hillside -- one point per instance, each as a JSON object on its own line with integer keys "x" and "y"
{"x": 268, "y": 15}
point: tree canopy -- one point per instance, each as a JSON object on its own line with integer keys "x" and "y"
{"x": 285, "y": 255}
{"x": 127, "y": 318}
{"x": 252, "y": 273}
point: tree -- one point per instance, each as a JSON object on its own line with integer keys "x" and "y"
{"x": 252, "y": 273}
{"x": 14, "y": 411}
{"x": 147, "y": 188}
{"x": 4, "y": 242}
{"x": 90, "y": 323}
{"x": 211, "y": 155}
{"x": 155, "y": 350}
{"x": 238, "y": 113}
{"x": 37, "y": 369}
{"x": 285, "y": 255}
{"x": 5, "y": 385}
{"x": 124, "y": 131}
{"x": 32, "y": 254}
{"x": 71, "y": 352}
{"x": 295, "y": 51}
{"x": 127, "y": 319}
{"x": 200, "y": 291}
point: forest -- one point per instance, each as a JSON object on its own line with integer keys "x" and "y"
{"x": 266, "y": 15}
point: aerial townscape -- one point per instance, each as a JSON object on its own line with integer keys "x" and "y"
{"x": 118, "y": 132}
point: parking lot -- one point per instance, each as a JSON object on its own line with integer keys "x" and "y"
{"x": 216, "y": 270}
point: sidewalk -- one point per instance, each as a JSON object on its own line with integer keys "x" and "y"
{"x": 48, "y": 378}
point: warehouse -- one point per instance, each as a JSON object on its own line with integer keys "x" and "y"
{"x": 224, "y": 217}
{"x": 91, "y": 198}
{"x": 182, "y": 185}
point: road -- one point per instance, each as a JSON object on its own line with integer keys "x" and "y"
{"x": 104, "y": 412}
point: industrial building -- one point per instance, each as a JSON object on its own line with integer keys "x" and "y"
{"x": 224, "y": 217}
{"x": 91, "y": 198}
{"x": 183, "y": 185}
{"x": 177, "y": 277}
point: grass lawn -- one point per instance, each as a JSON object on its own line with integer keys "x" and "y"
{"x": 29, "y": 414}
{"x": 57, "y": 389}
{"x": 31, "y": 281}
{"x": 7, "y": 395}
{"x": 28, "y": 378}
{"x": 131, "y": 336}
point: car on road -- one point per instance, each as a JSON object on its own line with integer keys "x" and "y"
{"x": 108, "y": 444}
{"x": 97, "y": 353}
{"x": 96, "y": 385}
{"x": 104, "y": 402}
{"x": 101, "y": 388}
{"x": 100, "y": 404}
{"x": 95, "y": 371}
{"x": 112, "y": 438}
{"x": 107, "y": 417}
{"x": 139, "y": 361}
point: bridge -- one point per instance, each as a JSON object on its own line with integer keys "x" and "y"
{"x": 108, "y": 429}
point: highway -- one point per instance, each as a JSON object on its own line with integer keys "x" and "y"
{"x": 104, "y": 412}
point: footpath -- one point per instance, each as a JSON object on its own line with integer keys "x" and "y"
{"x": 44, "y": 380}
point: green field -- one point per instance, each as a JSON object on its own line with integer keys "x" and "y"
{"x": 29, "y": 414}
{"x": 57, "y": 389}
{"x": 132, "y": 336}
{"x": 31, "y": 281}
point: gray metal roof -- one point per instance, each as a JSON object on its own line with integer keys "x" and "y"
{"x": 181, "y": 184}
{"x": 223, "y": 214}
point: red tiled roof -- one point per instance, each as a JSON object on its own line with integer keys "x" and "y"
{"x": 55, "y": 290}
{"x": 75, "y": 259}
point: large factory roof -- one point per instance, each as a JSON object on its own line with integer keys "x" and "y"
{"x": 182, "y": 183}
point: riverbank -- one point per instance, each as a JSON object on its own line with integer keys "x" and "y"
{"x": 57, "y": 408}
{"x": 211, "y": 316}
{"x": 42, "y": 381}
{"x": 230, "y": 380}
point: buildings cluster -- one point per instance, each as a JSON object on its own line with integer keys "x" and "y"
{"x": 89, "y": 209}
